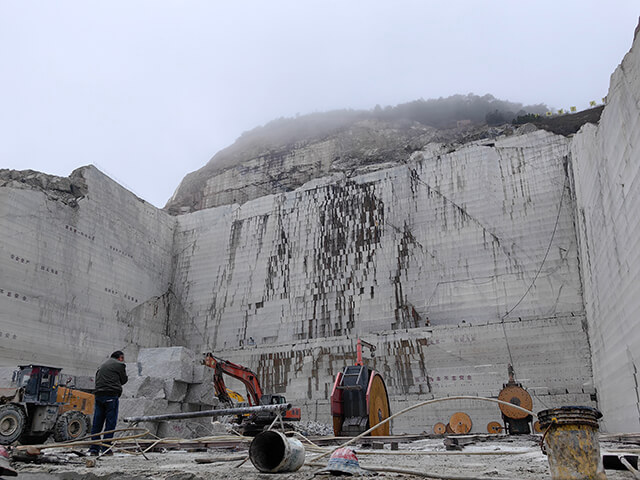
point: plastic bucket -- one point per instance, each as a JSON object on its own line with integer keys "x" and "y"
{"x": 572, "y": 444}
{"x": 272, "y": 452}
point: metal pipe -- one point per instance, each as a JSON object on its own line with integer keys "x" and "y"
{"x": 210, "y": 413}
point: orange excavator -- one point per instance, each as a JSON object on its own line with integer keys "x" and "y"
{"x": 256, "y": 422}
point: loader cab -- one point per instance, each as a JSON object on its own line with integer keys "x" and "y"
{"x": 40, "y": 383}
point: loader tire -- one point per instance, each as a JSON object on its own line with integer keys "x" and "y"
{"x": 71, "y": 425}
{"x": 12, "y": 423}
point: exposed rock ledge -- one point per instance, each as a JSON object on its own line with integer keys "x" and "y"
{"x": 65, "y": 189}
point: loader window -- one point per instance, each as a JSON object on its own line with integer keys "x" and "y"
{"x": 30, "y": 384}
{"x": 24, "y": 380}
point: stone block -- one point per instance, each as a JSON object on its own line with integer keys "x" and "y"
{"x": 202, "y": 374}
{"x": 144, "y": 387}
{"x": 175, "y": 363}
{"x": 202, "y": 394}
{"x": 175, "y": 391}
{"x": 136, "y": 407}
{"x": 191, "y": 407}
{"x": 189, "y": 428}
{"x": 133, "y": 369}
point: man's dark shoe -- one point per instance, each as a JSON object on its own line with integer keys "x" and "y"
{"x": 92, "y": 453}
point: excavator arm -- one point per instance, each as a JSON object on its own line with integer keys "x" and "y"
{"x": 224, "y": 367}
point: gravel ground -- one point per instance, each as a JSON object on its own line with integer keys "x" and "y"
{"x": 529, "y": 463}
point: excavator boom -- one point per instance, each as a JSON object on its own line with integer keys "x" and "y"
{"x": 257, "y": 422}
{"x": 246, "y": 376}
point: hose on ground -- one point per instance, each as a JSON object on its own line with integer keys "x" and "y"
{"x": 418, "y": 405}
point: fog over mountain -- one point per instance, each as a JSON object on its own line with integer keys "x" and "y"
{"x": 287, "y": 152}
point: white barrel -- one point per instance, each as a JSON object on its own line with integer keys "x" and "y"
{"x": 272, "y": 452}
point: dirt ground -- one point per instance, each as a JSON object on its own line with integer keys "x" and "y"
{"x": 506, "y": 458}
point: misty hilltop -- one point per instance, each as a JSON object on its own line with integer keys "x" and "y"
{"x": 288, "y": 152}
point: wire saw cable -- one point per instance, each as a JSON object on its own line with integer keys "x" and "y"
{"x": 422, "y": 404}
{"x": 535, "y": 277}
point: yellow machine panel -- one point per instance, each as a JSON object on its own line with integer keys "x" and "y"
{"x": 76, "y": 400}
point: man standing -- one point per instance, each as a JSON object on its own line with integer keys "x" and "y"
{"x": 110, "y": 377}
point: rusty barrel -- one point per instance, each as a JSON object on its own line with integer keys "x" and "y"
{"x": 272, "y": 452}
{"x": 571, "y": 442}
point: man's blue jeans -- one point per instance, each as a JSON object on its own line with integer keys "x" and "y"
{"x": 105, "y": 411}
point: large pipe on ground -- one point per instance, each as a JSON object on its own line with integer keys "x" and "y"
{"x": 210, "y": 413}
{"x": 272, "y": 452}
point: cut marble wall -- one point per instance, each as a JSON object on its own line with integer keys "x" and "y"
{"x": 607, "y": 188}
{"x": 81, "y": 278}
{"x": 454, "y": 241}
{"x": 471, "y": 236}
{"x": 421, "y": 364}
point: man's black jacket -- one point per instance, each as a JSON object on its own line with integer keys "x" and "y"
{"x": 110, "y": 377}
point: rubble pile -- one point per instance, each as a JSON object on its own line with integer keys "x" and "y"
{"x": 312, "y": 428}
{"x": 169, "y": 380}
{"x": 67, "y": 190}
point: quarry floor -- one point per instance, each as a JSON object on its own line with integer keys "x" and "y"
{"x": 525, "y": 461}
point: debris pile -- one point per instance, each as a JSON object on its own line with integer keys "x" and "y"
{"x": 66, "y": 189}
{"x": 313, "y": 428}
{"x": 169, "y": 380}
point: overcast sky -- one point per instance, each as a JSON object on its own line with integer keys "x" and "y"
{"x": 150, "y": 90}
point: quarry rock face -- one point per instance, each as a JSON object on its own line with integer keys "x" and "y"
{"x": 68, "y": 190}
{"x": 288, "y": 154}
{"x": 80, "y": 279}
{"x": 244, "y": 172}
{"x": 433, "y": 261}
{"x": 176, "y": 363}
{"x": 607, "y": 187}
{"x": 448, "y": 238}
{"x": 454, "y": 258}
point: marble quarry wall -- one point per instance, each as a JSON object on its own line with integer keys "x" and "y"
{"x": 474, "y": 236}
{"x": 521, "y": 249}
{"x": 607, "y": 187}
{"x": 424, "y": 363}
{"x": 85, "y": 270}
{"x": 455, "y": 264}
